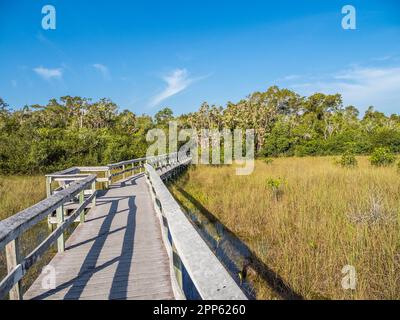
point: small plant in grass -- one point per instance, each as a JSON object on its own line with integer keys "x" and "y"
{"x": 268, "y": 161}
{"x": 382, "y": 157}
{"x": 348, "y": 160}
{"x": 276, "y": 185}
{"x": 374, "y": 213}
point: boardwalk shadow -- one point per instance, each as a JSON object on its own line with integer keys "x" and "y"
{"x": 90, "y": 266}
{"x": 121, "y": 276}
{"x": 120, "y": 283}
{"x": 252, "y": 262}
{"x": 92, "y": 256}
{"x": 127, "y": 182}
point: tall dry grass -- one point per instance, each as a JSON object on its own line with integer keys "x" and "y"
{"x": 20, "y": 192}
{"x": 326, "y": 217}
{"x": 16, "y": 194}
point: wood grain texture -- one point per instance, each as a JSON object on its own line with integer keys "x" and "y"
{"x": 14, "y": 226}
{"x": 118, "y": 253}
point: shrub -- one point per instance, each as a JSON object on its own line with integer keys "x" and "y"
{"x": 268, "y": 161}
{"x": 382, "y": 157}
{"x": 374, "y": 213}
{"x": 348, "y": 160}
{"x": 276, "y": 186}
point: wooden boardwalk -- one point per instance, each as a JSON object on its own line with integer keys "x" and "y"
{"x": 118, "y": 253}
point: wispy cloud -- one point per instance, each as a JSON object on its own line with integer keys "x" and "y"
{"x": 291, "y": 77}
{"x": 48, "y": 74}
{"x": 14, "y": 83}
{"x": 359, "y": 86}
{"x": 383, "y": 58}
{"x": 103, "y": 70}
{"x": 177, "y": 81}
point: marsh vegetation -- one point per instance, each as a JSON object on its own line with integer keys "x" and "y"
{"x": 326, "y": 217}
{"x": 16, "y": 194}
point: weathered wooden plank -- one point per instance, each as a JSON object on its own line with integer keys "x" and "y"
{"x": 48, "y": 186}
{"x": 122, "y": 172}
{"x": 64, "y": 177}
{"x": 82, "y": 200}
{"x": 66, "y": 171}
{"x": 147, "y": 257}
{"x": 13, "y": 226}
{"x": 10, "y": 280}
{"x": 13, "y": 257}
{"x": 209, "y": 276}
{"x": 93, "y": 169}
{"x": 16, "y": 273}
{"x": 116, "y": 254}
{"x": 60, "y": 221}
{"x": 120, "y": 164}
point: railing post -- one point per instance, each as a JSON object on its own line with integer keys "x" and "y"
{"x": 123, "y": 170}
{"x": 48, "y": 186}
{"x": 108, "y": 174}
{"x": 81, "y": 199}
{"x": 13, "y": 258}
{"x": 93, "y": 192}
{"x": 48, "y": 194}
{"x": 177, "y": 262}
{"x": 60, "y": 220}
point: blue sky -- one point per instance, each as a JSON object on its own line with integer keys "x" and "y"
{"x": 145, "y": 55}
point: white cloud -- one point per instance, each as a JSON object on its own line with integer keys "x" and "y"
{"x": 384, "y": 58}
{"x": 359, "y": 86}
{"x": 177, "y": 81}
{"x": 103, "y": 70}
{"x": 291, "y": 77}
{"x": 48, "y": 74}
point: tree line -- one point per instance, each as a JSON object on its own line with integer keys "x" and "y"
{"x": 73, "y": 131}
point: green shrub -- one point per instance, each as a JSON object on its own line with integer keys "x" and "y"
{"x": 348, "y": 160}
{"x": 268, "y": 161}
{"x": 276, "y": 185}
{"x": 382, "y": 157}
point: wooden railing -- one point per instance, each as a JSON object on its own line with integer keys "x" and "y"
{"x": 108, "y": 172}
{"x": 206, "y": 280}
{"x": 13, "y": 227}
{"x": 76, "y": 185}
{"x": 197, "y": 273}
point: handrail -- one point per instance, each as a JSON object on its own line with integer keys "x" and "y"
{"x": 12, "y": 228}
{"x": 156, "y": 161}
{"x": 119, "y": 164}
{"x": 187, "y": 251}
{"x": 191, "y": 254}
{"x": 73, "y": 181}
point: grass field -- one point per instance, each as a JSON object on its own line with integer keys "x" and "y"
{"x": 19, "y": 192}
{"x": 322, "y": 218}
